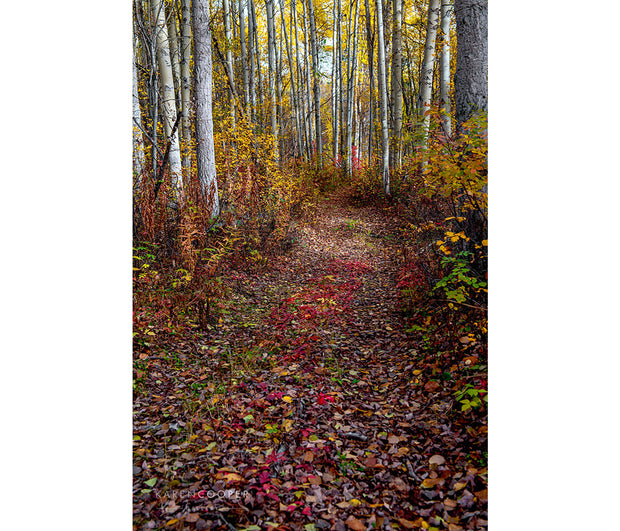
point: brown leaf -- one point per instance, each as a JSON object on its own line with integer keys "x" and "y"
{"x": 429, "y": 483}
{"x": 431, "y": 386}
{"x": 437, "y": 460}
{"x": 309, "y": 456}
{"x": 407, "y": 523}
{"x": 482, "y": 494}
{"x": 355, "y": 524}
{"x": 192, "y": 518}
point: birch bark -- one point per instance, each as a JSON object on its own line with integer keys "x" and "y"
{"x": 444, "y": 66}
{"x": 385, "y": 138}
{"x": 166, "y": 82}
{"x": 396, "y": 84}
{"x": 426, "y": 79}
{"x": 316, "y": 85}
{"x": 205, "y": 149}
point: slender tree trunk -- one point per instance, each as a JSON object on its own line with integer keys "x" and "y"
{"x": 396, "y": 84}
{"x": 308, "y": 90}
{"x": 446, "y": 15}
{"x": 138, "y": 141}
{"x": 294, "y": 103}
{"x": 173, "y": 36}
{"x": 470, "y": 79}
{"x": 271, "y": 49}
{"x": 306, "y": 150}
{"x": 205, "y": 149}
{"x": 385, "y": 137}
{"x": 166, "y": 82}
{"x": 251, "y": 58}
{"x": 229, "y": 59}
{"x": 186, "y": 82}
{"x": 244, "y": 56}
{"x": 350, "y": 89}
{"x": 370, "y": 40}
{"x": 316, "y": 85}
{"x": 426, "y": 80}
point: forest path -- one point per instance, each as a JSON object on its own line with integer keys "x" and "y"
{"x": 308, "y": 406}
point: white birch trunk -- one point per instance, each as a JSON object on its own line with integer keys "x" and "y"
{"x": 385, "y": 137}
{"x": 271, "y": 54}
{"x": 138, "y": 141}
{"x": 229, "y": 60}
{"x": 205, "y": 149}
{"x": 426, "y": 79}
{"x": 444, "y": 66}
{"x": 396, "y": 84}
{"x": 173, "y": 37}
{"x": 244, "y": 56}
{"x": 166, "y": 82}
{"x": 350, "y": 89}
{"x": 186, "y": 82}
{"x": 316, "y": 85}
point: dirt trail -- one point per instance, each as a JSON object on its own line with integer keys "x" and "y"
{"x": 305, "y": 407}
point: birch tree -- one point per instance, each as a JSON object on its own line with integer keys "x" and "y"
{"x": 186, "y": 83}
{"x": 352, "y": 59}
{"x": 385, "y": 137}
{"x": 271, "y": 54}
{"x": 396, "y": 84}
{"x": 205, "y": 149}
{"x": 229, "y": 59}
{"x": 370, "y": 44}
{"x": 444, "y": 67}
{"x": 166, "y": 82}
{"x": 316, "y": 89}
{"x": 470, "y": 79}
{"x": 138, "y": 141}
{"x": 244, "y": 56}
{"x": 428, "y": 64}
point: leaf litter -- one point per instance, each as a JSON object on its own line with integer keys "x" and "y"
{"x": 309, "y": 405}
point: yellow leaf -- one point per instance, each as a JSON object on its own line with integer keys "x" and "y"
{"x": 485, "y": 242}
{"x": 287, "y": 399}
{"x": 355, "y": 502}
{"x": 417, "y": 371}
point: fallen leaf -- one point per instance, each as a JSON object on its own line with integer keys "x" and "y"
{"x": 355, "y": 524}
{"x": 191, "y": 518}
{"x": 406, "y": 523}
{"x": 437, "y": 460}
{"x": 429, "y": 483}
{"x": 309, "y": 456}
{"x": 431, "y": 386}
{"x": 287, "y": 398}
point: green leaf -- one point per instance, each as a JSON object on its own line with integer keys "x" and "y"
{"x": 151, "y": 482}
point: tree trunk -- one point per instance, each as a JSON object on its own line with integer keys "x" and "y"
{"x": 446, "y": 15}
{"x": 470, "y": 79}
{"x": 396, "y": 84}
{"x": 371, "y": 54}
{"x": 205, "y": 149}
{"x": 244, "y": 57}
{"x": 138, "y": 141}
{"x": 173, "y": 36}
{"x": 166, "y": 82}
{"x": 291, "y": 66}
{"x": 186, "y": 81}
{"x": 316, "y": 85}
{"x": 426, "y": 79}
{"x": 229, "y": 59}
{"x": 352, "y": 59}
{"x": 271, "y": 49}
{"x": 385, "y": 137}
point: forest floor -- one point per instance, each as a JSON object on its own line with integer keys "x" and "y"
{"x": 308, "y": 405}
